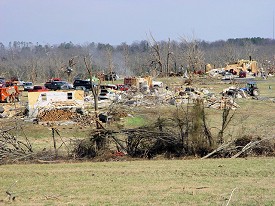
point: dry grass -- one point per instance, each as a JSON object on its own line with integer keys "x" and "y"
{"x": 253, "y": 117}
{"x": 159, "y": 182}
{"x": 156, "y": 182}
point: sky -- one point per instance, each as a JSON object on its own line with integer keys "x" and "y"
{"x": 117, "y": 21}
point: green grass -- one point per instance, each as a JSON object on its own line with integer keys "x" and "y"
{"x": 155, "y": 182}
{"x": 136, "y": 121}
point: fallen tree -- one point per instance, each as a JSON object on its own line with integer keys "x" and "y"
{"x": 244, "y": 146}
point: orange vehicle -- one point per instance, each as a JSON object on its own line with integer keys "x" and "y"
{"x": 9, "y": 94}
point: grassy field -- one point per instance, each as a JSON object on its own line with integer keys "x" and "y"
{"x": 254, "y": 117}
{"x": 156, "y": 182}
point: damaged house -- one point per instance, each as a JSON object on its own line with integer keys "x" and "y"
{"x": 55, "y": 105}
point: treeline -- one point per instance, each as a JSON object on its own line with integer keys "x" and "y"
{"x": 37, "y": 63}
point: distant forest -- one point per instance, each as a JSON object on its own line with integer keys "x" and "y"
{"x": 37, "y": 63}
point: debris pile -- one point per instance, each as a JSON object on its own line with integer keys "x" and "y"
{"x": 234, "y": 92}
{"x": 117, "y": 114}
{"x": 84, "y": 120}
{"x": 142, "y": 92}
{"x": 222, "y": 103}
{"x": 149, "y": 143}
{"x": 11, "y": 110}
{"x": 178, "y": 96}
{"x": 55, "y": 115}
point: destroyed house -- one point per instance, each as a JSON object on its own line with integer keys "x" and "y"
{"x": 47, "y": 100}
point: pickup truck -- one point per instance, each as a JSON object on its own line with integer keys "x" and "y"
{"x": 78, "y": 83}
{"x": 55, "y": 85}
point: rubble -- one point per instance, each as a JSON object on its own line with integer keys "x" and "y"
{"x": 173, "y": 95}
{"x": 56, "y": 115}
{"x": 8, "y": 110}
{"x": 224, "y": 102}
{"x": 62, "y": 106}
{"x": 177, "y": 96}
{"x": 134, "y": 97}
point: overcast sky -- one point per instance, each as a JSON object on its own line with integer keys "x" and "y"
{"x": 117, "y": 21}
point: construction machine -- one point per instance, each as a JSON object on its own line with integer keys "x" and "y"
{"x": 242, "y": 66}
{"x": 9, "y": 94}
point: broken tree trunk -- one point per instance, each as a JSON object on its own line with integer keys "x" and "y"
{"x": 250, "y": 145}
{"x": 223, "y": 146}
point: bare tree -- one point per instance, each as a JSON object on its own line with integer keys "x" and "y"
{"x": 229, "y": 54}
{"x": 168, "y": 57}
{"x": 95, "y": 88}
{"x": 249, "y": 50}
{"x": 192, "y": 54}
{"x": 227, "y": 117}
{"x": 35, "y": 62}
{"x": 156, "y": 60}
{"x": 109, "y": 54}
{"x": 126, "y": 57}
{"x": 161, "y": 55}
{"x": 68, "y": 69}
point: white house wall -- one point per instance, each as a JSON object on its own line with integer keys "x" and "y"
{"x": 38, "y": 101}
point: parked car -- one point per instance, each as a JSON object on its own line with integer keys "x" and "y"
{"x": 38, "y": 88}
{"x": 19, "y": 83}
{"x": 78, "y": 83}
{"x": 2, "y": 82}
{"x": 28, "y": 85}
{"x": 107, "y": 94}
{"x": 228, "y": 76}
{"x": 55, "y": 85}
{"x": 67, "y": 86}
{"x": 108, "y": 86}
